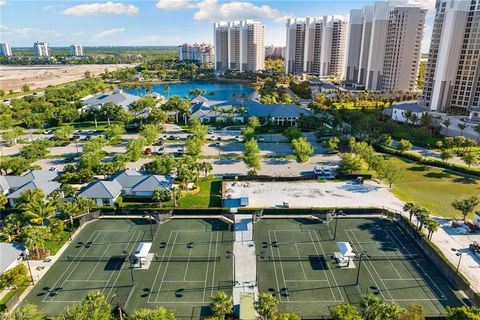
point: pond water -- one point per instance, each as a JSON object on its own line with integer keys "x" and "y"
{"x": 214, "y": 90}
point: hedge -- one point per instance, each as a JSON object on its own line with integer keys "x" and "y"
{"x": 428, "y": 160}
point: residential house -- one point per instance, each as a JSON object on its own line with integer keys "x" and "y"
{"x": 400, "y": 111}
{"x": 14, "y": 186}
{"x": 118, "y": 97}
{"x": 210, "y": 111}
{"x": 126, "y": 182}
{"x": 11, "y": 254}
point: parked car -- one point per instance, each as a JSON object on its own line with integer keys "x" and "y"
{"x": 317, "y": 171}
{"x": 148, "y": 151}
{"x": 48, "y": 131}
{"x": 64, "y": 144}
{"x": 239, "y": 138}
{"x": 211, "y": 131}
{"x": 218, "y": 143}
{"x": 475, "y": 247}
{"x": 161, "y": 151}
{"x": 69, "y": 159}
{"x": 75, "y": 137}
{"x": 164, "y": 138}
{"x": 261, "y": 139}
{"x": 322, "y": 172}
{"x": 171, "y": 138}
{"x": 212, "y": 138}
{"x": 53, "y": 169}
{"x": 180, "y": 151}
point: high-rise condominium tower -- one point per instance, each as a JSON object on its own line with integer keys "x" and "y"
{"x": 239, "y": 45}
{"x": 40, "y": 49}
{"x": 316, "y": 46}
{"x": 383, "y": 51}
{"x": 452, "y": 80}
{"x": 201, "y": 53}
{"x": 76, "y": 50}
{"x": 5, "y": 49}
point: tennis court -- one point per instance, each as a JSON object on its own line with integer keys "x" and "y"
{"x": 188, "y": 264}
{"x": 296, "y": 264}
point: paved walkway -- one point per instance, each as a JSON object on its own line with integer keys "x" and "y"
{"x": 245, "y": 268}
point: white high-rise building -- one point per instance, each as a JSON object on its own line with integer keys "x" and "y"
{"x": 316, "y": 46}
{"x": 352, "y": 60}
{"x": 383, "y": 51}
{"x": 275, "y": 52}
{"x": 201, "y": 53}
{"x": 452, "y": 80}
{"x": 76, "y": 50}
{"x": 5, "y": 49}
{"x": 40, "y": 49}
{"x": 239, "y": 45}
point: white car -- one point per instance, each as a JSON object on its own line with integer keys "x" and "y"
{"x": 317, "y": 171}
{"x": 181, "y": 151}
{"x": 47, "y": 131}
{"x": 261, "y": 139}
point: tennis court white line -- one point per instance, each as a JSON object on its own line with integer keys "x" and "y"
{"x": 120, "y": 271}
{"x": 308, "y": 280}
{"x": 181, "y": 281}
{"x": 86, "y": 281}
{"x": 274, "y": 266}
{"x": 423, "y": 270}
{"x": 301, "y": 264}
{"x": 68, "y": 268}
{"x": 94, "y": 268}
{"x": 158, "y": 270}
{"x": 406, "y": 279}
{"x": 166, "y": 266}
{"x": 208, "y": 266}
{"x": 368, "y": 269}
{"x": 331, "y": 272}
{"x": 214, "y": 263}
{"x": 188, "y": 263}
{"x": 281, "y": 265}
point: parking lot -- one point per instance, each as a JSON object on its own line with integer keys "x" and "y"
{"x": 223, "y": 149}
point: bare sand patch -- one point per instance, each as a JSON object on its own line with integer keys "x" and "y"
{"x": 40, "y": 76}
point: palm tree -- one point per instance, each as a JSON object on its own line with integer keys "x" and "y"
{"x": 446, "y": 123}
{"x": 432, "y": 226}
{"x": 12, "y": 226}
{"x": 35, "y": 237}
{"x": 221, "y": 304}
{"x": 36, "y": 208}
{"x": 266, "y": 306}
{"x": 371, "y": 306}
{"x": 175, "y": 192}
{"x": 411, "y": 208}
{"x": 462, "y": 127}
{"x": 206, "y": 167}
{"x": 408, "y": 115}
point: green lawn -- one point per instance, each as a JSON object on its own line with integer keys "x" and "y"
{"x": 434, "y": 188}
{"x": 360, "y": 104}
{"x": 208, "y": 197}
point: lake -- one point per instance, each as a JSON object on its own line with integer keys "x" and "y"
{"x": 222, "y": 91}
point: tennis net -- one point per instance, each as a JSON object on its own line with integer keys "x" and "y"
{"x": 162, "y": 258}
{"x": 393, "y": 257}
{"x": 96, "y": 258}
{"x": 292, "y": 258}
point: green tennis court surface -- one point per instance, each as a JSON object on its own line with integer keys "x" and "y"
{"x": 190, "y": 264}
{"x": 295, "y": 264}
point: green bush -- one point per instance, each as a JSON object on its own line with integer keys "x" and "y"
{"x": 428, "y": 160}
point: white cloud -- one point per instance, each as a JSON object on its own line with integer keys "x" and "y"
{"x": 211, "y": 10}
{"x": 28, "y": 33}
{"x": 102, "y": 9}
{"x": 427, "y": 4}
{"x": 2, "y": 2}
{"x": 174, "y": 4}
{"x": 107, "y": 33}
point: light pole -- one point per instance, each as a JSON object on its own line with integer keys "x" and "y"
{"x": 26, "y": 254}
{"x": 459, "y": 255}
{"x": 230, "y": 252}
{"x": 363, "y": 253}
{"x": 125, "y": 252}
{"x": 335, "y": 214}
{"x": 151, "y": 227}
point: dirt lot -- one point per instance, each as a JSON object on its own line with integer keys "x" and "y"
{"x": 13, "y": 77}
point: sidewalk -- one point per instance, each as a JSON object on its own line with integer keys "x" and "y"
{"x": 245, "y": 268}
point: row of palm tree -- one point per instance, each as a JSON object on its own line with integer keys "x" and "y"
{"x": 423, "y": 218}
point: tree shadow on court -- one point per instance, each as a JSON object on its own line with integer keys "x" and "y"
{"x": 318, "y": 263}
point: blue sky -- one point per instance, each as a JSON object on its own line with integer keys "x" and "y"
{"x": 159, "y": 22}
